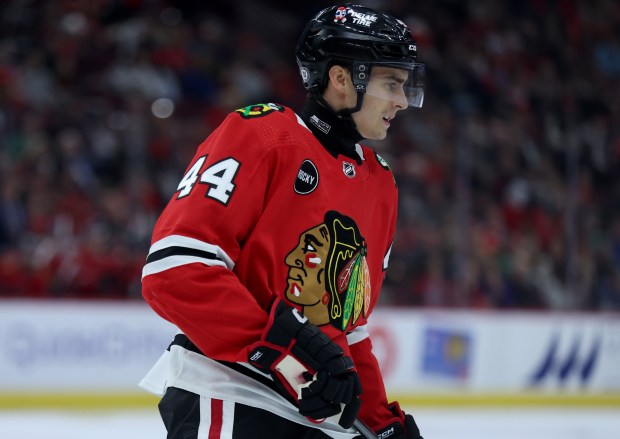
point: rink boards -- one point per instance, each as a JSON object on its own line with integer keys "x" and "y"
{"x": 92, "y": 354}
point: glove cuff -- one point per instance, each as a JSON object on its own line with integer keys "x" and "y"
{"x": 392, "y": 431}
{"x": 264, "y": 357}
{"x": 394, "y": 407}
{"x": 284, "y": 324}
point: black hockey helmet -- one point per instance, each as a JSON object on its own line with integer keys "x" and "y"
{"x": 358, "y": 37}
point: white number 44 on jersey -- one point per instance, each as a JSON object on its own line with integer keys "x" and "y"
{"x": 219, "y": 176}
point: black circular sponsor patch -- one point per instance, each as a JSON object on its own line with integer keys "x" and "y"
{"x": 307, "y": 178}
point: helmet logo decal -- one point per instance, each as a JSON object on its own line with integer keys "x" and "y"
{"x": 364, "y": 19}
{"x": 307, "y": 178}
{"x": 342, "y": 13}
{"x": 348, "y": 169}
{"x": 304, "y": 74}
{"x": 321, "y": 125}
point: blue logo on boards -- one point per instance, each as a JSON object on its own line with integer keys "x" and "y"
{"x": 447, "y": 353}
{"x": 578, "y": 361}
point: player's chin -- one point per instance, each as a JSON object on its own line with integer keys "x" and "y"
{"x": 375, "y": 133}
{"x": 379, "y": 135}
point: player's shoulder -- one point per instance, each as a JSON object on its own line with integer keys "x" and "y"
{"x": 376, "y": 161}
{"x": 273, "y": 123}
{"x": 264, "y": 114}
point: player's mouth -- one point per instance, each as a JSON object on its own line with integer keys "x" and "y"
{"x": 387, "y": 120}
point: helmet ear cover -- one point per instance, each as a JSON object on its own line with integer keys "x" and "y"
{"x": 360, "y": 74}
{"x": 359, "y": 71}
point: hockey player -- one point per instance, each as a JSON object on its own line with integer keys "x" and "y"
{"x": 270, "y": 256}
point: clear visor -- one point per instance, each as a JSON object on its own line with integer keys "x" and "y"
{"x": 403, "y": 85}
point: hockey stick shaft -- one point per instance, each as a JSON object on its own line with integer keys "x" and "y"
{"x": 363, "y": 429}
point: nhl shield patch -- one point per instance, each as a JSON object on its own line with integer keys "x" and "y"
{"x": 348, "y": 169}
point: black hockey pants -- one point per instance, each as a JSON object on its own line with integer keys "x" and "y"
{"x": 187, "y": 415}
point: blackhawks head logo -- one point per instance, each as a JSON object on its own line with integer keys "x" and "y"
{"x": 328, "y": 273}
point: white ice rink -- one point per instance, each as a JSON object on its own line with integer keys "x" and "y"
{"x": 452, "y": 423}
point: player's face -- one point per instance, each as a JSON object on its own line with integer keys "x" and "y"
{"x": 384, "y": 97}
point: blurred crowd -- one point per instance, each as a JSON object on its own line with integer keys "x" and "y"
{"x": 508, "y": 176}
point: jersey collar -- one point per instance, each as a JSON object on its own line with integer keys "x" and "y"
{"x": 338, "y": 135}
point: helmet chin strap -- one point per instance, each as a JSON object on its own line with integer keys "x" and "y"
{"x": 345, "y": 113}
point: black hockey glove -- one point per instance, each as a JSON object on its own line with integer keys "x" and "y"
{"x": 307, "y": 366}
{"x": 405, "y": 428}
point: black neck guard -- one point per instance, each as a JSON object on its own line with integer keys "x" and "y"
{"x": 337, "y": 134}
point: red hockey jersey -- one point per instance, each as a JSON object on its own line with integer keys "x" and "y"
{"x": 264, "y": 210}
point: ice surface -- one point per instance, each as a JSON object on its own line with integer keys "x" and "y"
{"x": 448, "y": 423}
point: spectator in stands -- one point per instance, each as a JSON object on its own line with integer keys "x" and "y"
{"x": 508, "y": 180}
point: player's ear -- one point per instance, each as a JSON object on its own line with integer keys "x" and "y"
{"x": 340, "y": 92}
{"x": 339, "y": 78}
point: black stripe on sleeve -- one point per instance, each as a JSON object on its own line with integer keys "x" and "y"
{"x": 180, "y": 251}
